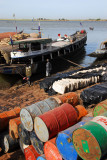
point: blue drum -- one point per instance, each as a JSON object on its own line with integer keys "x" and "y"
{"x": 64, "y": 141}
{"x": 42, "y": 157}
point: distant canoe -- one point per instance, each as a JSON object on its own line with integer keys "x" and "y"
{"x": 35, "y": 29}
{"x": 91, "y": 28}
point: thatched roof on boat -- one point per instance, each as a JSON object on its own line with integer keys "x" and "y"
{"x": 32, "y": 40}
{"x": 102, "y": 45}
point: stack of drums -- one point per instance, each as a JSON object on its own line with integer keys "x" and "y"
{"x": 47, "y": 125}
{"x": 64, "y": 141}
{"x": 100, "y": 108}
{"x": 28, "y": 114}
{"x": 6, "y": 116}
{"x": 90, "y": 140}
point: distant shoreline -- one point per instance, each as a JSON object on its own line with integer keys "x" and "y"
{"x": 54, "y": 20}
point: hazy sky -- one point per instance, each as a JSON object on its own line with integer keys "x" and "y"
{"x": 53, "y": 9}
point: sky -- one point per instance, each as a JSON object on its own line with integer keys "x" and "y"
{"x": 53, "y": 9}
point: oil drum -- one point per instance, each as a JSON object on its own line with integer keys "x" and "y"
{"x": 90, "y": 140}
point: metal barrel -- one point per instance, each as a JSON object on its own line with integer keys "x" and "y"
{"x": 51, "y": 151}
{"x": 6, "y": 116}
{"x": 13, "y": 127}
{"x": 90, "y": 140}
{"x": 24, "y": 135}
{"x": 7, "y": 143}
{"x": 81, "y": 111}
{"x": 100, "y": 108}
{"x": 36, "y": 143}
{"x": 70, "y": 97}
{"x": 22, "y": 145}
{"x": 42, "y": 157}
{"x": 47, "y": 125}
{"x": 64, "y": 141}
{"x": 30, "y": 153}
{"x": 28, "y": 114}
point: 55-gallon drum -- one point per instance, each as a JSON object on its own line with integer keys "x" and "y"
{"x": 28, "y": 114}
{"x": 100, "y": 108}
{"x": 30, "y": 153}
{"x": 47, "y": 125}
{"x": 51, "y": 150}
{"x": 70, "y": 97}
{"x": 64, "y": 141}
{"x": 36, "y": 143}
{"x": 90, "y": 140}
{"x": 13, "y": 127}
{"x": 6, "y": 116}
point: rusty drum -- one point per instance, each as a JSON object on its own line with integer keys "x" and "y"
{"x": 13, "y": 127}
{"x": 100, "y": 108}
{"x": 6, "y": 116}
{"x": 36, "y": 143}
{"x": 90, "y": 140}
{"x": 28, "y": 114}
{"x": 51, "y": 151}
{"x": 47, "y": 125}
{"x": 30, "y": 153}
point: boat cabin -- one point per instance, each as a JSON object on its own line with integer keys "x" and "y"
{"x": 30, "y": 48}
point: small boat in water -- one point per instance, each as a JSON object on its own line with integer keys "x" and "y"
{"x": 34, "y": 50}
{"x": 101, "y": 52}
{"x": 91, "y": 28}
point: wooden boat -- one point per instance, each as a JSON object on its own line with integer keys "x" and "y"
{"x": 101, "y": 52}
{"x": 33, "y": 50}
{"x": 91, "y": 28}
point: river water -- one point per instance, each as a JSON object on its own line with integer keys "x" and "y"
{"x": 51, "y": 29}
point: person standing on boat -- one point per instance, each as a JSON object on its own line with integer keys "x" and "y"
{"x": 48, "y": 68}
{"x": 28, "y": 74}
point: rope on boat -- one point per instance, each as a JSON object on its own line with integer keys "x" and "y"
{"x": 73, "y": 62}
